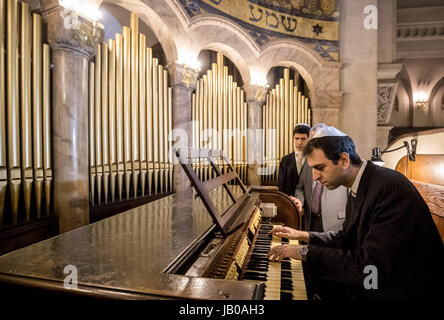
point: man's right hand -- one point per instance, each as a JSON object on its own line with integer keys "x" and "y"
{"x": 290, "y": 233}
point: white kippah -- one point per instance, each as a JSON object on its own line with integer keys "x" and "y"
{"x": 318, "y": 126}
{"x": 329, "y": 132}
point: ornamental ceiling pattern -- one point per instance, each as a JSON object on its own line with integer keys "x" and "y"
{"x": 313, "y": 22}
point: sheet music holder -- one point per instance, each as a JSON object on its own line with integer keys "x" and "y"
{"x": 234, "y": 217}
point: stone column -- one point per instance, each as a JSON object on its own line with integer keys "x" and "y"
{"x": 382, "y": 136}
{"x": 326, "y": 107}
{"x": 73, "y": 41}
{"x": 184, "y": 80}
{"x": 359, "y": 57}
{"x": 255, "y": 96}
{"x": 387, "y": 68}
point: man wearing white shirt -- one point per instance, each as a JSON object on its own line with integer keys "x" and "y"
{"x": 291, "y": 165}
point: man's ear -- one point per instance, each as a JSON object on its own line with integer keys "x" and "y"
{"x": 344, "y": 160}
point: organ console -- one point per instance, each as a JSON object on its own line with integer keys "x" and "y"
{"x": 207, "y": 244}
{"x": 241, "y": 254}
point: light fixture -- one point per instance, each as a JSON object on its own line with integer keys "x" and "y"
{"x": 86, "y": 8}
{"x": 258, "y": 79}
{"x": 421, "y": 100}
{"x": 377, "y": 154}
{"x": 188, "y": 60}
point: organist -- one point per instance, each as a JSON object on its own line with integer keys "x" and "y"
{"x": 389, "y": 247}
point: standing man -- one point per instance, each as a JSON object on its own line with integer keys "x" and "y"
{"x": 291, "y": 165}
{"x": 389, "y": 247}
{"x": 323, "y": 209}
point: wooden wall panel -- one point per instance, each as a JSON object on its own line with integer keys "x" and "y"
{"x": 426, "y": 168}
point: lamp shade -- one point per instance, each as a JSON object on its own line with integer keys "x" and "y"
{"x": 376, "y": 157}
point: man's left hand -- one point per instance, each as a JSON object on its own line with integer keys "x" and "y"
{"x": 285, "y": 251}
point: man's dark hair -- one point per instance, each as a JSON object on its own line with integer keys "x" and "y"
{"x": 302, "y": 129}
{"x": 333, "y": 146}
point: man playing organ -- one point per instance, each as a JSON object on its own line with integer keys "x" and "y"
{"x": 389, "y": 247}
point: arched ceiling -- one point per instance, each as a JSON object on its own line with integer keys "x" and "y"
{"x": 313, "y": 22}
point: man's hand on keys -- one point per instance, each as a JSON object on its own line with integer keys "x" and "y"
{"x": 289, "y": 233}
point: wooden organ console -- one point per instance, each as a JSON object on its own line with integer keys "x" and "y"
{"x": 206, "y": 243}
{"x": 244, "y": 239}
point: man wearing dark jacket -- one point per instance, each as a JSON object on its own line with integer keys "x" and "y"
{"x": 291, "y": 165}
{"x": 389, "y": 247}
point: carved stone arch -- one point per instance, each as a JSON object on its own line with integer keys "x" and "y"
{"x": 322, "y": 77}
{"x": 436, "y": 88}
{"x": 220, "y": 34}
{"x": 234, "y": 57}
{"x": 162, "y": 18}
{"x": 436, "y": 104}
{"x": 405, "y": 100}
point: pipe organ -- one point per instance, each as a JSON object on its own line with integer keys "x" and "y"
{"x": 219, "y": 114}
{"x": 25, "y": 121}
{"x": 284, "y": 108}
{"x": 130, "y": 118}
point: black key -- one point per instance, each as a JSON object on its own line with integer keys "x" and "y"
{"x": 286, "y": 274}
{"x": 258, "y": 268}
{"x": 286, "y": 296}
{"x": 261, "y": 261}
{"x": 259, "y": 256}
{"x": 255, "y": 276}
{"x": 286, "y": 265}
{"x": 260, "y": 241}
{"x": 286, "y": 287}
{"x": 262, "y": 245}
{"x": 263, "y": 251}
{"x": 256, "y": 265}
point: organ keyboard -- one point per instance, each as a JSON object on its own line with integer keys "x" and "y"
{"x": 243, "y": 256}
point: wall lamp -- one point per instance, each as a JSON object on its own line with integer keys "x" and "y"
{"x": 377, "y": 154}
{"x": 421, "y": 100}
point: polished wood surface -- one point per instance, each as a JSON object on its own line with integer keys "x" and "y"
{"x": 13, "y": 237}
{"x": 126, "y": 256}
{"x": 106, "y": 210}
{"x": 434, "y": 196}
{"x": 427, "y": 174}
{"x": 287, "y": 212}
{"x": 426, "y": 168}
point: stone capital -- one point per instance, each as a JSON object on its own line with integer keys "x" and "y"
{"x": 255, "y": 94}
{"x": 182, "y": 76}
{"x": 68, "y": 30}
{"x": 388, "y": 71}
{"x": 386, "y": 99}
